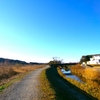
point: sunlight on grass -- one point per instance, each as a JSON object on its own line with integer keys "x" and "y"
{"x": 11, "y": 73}
{"x": 46, "y": 88}
{"x": 91, "y": 87}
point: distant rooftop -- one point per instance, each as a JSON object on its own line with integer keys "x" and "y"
{"x": 93, "y": 55}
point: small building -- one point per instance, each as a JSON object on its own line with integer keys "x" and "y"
{"x": 94, "y": 60}
{"x": 84, "y": 64}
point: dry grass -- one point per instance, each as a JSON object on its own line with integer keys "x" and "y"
{"x": 92, "y": 79}
{"x": 87, "y": 73}
{"x": 92, "y": 73}
{"x": 7, "y": 72}
{"x": 26, "y": 68}
{"x": 95, "y": 65}
{"x": 78, "y": 70}
{"x": 47, "y": 90}
{"x": 50, "y": 88}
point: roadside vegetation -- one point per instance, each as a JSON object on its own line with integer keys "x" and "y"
{"x": 89, "y": 76}
{"x": 87, "y": 73}
{"x": 50, "y": 88}
{"x": 47, "y": 90}
{"x": 12, "y": 73}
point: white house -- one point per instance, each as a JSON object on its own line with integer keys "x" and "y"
{"x": 94, "y": 60}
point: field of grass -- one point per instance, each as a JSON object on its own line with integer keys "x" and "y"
{"x": 11, "y": 73}
{"x": 91, "y": 78}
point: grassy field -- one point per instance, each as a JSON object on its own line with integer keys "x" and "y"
{"x": 12, "y": 73}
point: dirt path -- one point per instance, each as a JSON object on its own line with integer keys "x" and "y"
{"x": 26, "y": 89}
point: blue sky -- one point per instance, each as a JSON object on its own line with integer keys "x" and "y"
{"x": 37, "y": 30}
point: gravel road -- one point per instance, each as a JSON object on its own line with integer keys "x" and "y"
{"x": 26, "y": 89}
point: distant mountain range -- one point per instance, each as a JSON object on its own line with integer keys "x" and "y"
{"x": 6, "y": 61}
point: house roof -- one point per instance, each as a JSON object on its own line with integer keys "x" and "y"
{"x": 96, "y": 55}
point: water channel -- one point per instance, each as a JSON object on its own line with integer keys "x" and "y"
{"x": 93, "y": 87}
{"x": 70, "y": 75}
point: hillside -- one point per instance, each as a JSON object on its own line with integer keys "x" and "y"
{"x": 6, "y": 61}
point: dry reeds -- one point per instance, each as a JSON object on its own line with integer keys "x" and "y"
{"x": 88, "y": 72}
{"x": 9, "y": 71}
{"x": 6, "y": 72}
{"x": 91, "y": 73}
{"x": 91, "y": 84}
{"x": 77, "y": 69}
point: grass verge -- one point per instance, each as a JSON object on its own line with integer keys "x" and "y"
{"x": 52, "y": 87}
{"x": 6, "y": 85}
{"x": 90, "y": 87}
{"x": 11, "y": 74}
{"x": 47, "y": 90}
